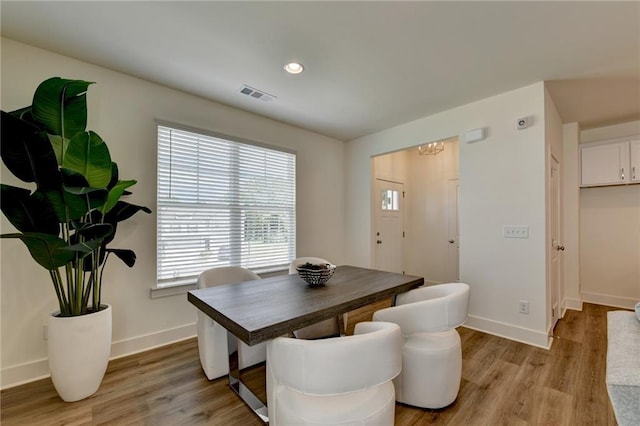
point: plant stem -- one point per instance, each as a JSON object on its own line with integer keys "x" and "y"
{"x": 69, "y": 276}
{"x": 64, "y": 306}
{"x": 87, "y": 290}
{"x": 100, "y": 278}
{"x": 80, "y": 309}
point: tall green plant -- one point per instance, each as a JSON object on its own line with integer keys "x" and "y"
{"x": 69, "y": 219}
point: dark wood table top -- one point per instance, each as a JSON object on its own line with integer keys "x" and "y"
{"x": 259, "y": 310}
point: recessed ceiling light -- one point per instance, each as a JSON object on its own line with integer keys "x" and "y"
{"x": 294, "y": 68}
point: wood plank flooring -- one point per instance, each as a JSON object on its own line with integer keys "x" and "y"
{"x": 503, "y": 383}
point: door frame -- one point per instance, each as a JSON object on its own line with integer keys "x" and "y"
{"x": 453, "y": 193}
{"x": 555, "y": 275}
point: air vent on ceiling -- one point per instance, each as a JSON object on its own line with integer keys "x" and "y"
{"x": 257, "y": 94}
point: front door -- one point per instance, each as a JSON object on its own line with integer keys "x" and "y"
{"x": 389, "y": 226}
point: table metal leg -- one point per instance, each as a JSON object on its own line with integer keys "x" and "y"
{"x": 236, "y": 384}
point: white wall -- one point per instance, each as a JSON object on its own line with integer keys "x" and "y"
{"x": 393, "y": 166}
{"x": 502, "y": 180}
{"x": 122, "y": 109}
{"x": 610, "y": 233}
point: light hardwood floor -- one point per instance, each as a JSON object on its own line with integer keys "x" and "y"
{"x": 503, "y": 383}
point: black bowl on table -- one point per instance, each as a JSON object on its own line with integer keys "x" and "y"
{"x": 316, "y": 275}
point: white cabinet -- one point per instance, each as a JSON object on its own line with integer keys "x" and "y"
{"x": 610, "y": 163}
{"x": 635, "y": 160}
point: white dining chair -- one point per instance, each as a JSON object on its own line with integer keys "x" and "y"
{"x": 212, "y": 337}
{"x": 322, "y": 329}
{"x": 432, "y": 353}
{"x": 337, "y": 381}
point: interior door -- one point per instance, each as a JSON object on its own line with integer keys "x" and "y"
{"x": 453, "y": 252}
{"x": 556, "y": 247}
{"x": 389, "y": 226}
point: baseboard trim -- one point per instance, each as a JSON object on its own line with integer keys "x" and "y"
{"x": 24, "y": 373}
{"x": 573, "y": 304}
{"x": 607, "y": 300}
{"x": 151, "y": 341}
{"x": 35, "y": 370}
{"x": 509, "y": 331}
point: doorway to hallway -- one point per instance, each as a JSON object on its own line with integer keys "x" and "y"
{"x": 428, "y": 210}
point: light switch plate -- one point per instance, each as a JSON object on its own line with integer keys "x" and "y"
{"x": 515, "y": 231}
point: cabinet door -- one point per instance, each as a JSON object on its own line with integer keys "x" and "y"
{"x": 635, "y": 161}
{"x": 605, "y": 164}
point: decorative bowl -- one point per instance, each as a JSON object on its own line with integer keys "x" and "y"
{"x": 316, "y": 275}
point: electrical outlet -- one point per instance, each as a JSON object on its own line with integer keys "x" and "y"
{"x": 523, "y": 307}
{"x": 515, "y": 231}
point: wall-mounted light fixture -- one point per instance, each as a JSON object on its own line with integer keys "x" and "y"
{"x": 432, "y": 148}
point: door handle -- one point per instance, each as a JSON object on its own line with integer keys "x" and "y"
{"x": 379, "y": 242}
{"x": 452, "y": 241}
{"x": 560, "y": 248}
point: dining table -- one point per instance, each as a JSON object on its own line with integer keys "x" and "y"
{"x": 260, "y": 310}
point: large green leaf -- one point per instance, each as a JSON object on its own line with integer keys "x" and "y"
{"x": 69, "y": 206}
{"x": 127, "y": 256}
{"x": 23, "y": 113}
{"x": 88, "y": 155}
{"x": 59, "y": 146}
{"x": 123, "y": 211}
{"x": 47, "y": 250}
{"x": 84, "y": 248}
{"x": 27, "y": 152}
{"x": 74, "y": 199}
{"x": 60, "y": 106}
{"x": 93, "y": 231}
{"x": 115, "y": 193}
{"x": 114, "y": 175}
{"x": 104, "y": 233}
{"x": 28, "y": 212}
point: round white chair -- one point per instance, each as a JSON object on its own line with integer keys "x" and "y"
{"x": 322, "y": 329}
{"x": 336, "y": 381}
{"x": 432, "y": 353}
{"x": 212, "y": 337}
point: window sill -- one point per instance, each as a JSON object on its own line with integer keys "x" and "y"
{"x": 184, "y": 287}
{"x": 172, "y": 290}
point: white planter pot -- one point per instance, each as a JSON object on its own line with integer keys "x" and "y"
{"x": 79, "y": 350}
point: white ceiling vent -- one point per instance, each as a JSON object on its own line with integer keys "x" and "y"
{"x": 257, "y": 94}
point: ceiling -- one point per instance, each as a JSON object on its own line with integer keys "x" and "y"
{"x": 368, "y": 65}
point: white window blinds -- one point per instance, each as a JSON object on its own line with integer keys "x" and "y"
{"x": 222, "y": 203}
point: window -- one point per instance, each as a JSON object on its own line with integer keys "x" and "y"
{"x": 222, "y": 203}
{"x": 390, "y": 200}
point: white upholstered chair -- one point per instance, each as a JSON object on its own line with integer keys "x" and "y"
{"x": 326, "y": 328}
{"x": 337, "y": 381}
{"x": 212, "y": 337}
{"x": 432, "y": 353}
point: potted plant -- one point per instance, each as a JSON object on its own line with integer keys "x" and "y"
{"x": 67, "y": 221}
